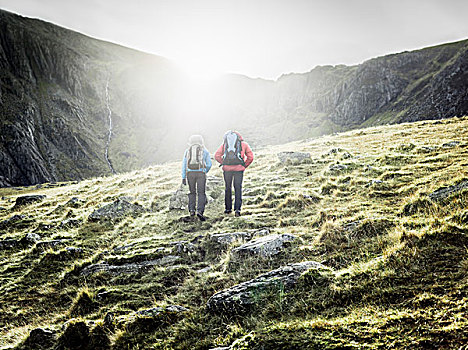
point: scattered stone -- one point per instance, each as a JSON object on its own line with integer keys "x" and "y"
{"x": 156, "y": 311}
{"x": 69, "y": 223}
{"x": 26, "y": 200}
{"x": 406, "y": 147}
{"x": 74, "y": 202}
{"x": 8, "y": 244}
{"x": 124, "y": 247}
{"x": 265, "y": 246}
{"x": 127, "y": 198}
{"x": 204, "y": 270}
{"x": 13, "y": 221}
{"x": 42, "y": 227}
{"x": 445, "y": 192}
{"x": 225, "y": 239}
{"x": 333, "y": 151}
{"x": 427, "y": 149}
{"x": 373, "y": 182}
{"x": 346, "y": 155}
{"x": 183, "y": 247}
{"x": 74, "y": 251}
{"x": 40, "y": 338}
{"x": 293, "y": 156}
{"x": 179, "y": 199}
{"x": 30, "y": 239}
{"x": 43, "y": 245}
{"x": 451, "y": 144}
{"x": 247, "y": 293}
{"x": 338, "y": 167}
{"x": 129, "y": 268}
{"x": 116, "y": 211}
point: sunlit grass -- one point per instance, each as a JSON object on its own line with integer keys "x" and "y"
{"x": 399, "y": 259}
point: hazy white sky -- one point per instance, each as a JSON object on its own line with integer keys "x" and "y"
{"x": 259, "y": 38}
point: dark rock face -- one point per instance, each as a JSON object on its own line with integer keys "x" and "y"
{"x": 116, "y": 211}
{"x": 239, "y": 297}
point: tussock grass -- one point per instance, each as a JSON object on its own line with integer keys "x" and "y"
{"x": 398, "y": 258}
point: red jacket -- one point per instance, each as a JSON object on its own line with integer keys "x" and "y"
{"x": 246, "y": 154}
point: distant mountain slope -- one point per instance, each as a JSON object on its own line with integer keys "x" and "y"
{"x": 72, "y": 107}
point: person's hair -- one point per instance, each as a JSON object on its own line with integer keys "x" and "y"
{"x": 196, "y": 140}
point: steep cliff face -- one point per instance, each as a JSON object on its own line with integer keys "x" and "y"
{"x": 73, "y": 107}
{"x": 55, "y": 90}
{"x": 425, "y": 84}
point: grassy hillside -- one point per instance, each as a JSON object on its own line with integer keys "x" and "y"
{"x": 365, "y": 206}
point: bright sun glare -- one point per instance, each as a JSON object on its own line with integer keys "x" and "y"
{"x": 201, "y": 68}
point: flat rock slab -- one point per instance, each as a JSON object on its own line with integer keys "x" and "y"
{"x": 240, "y": 296}
{"x": 129, "y": 268}
{"x": 116, "y": 211}
{"x": 227, "y": 238}
{"x": 179, "y": 199}
{"x": 26, "y": 200}
{"x": 445, "y": 192}
{"x": 156, "y": 311}
{"x": 293, "y": 156}
{"x": 337, "y": 167}
{"x": 266, "y": 246}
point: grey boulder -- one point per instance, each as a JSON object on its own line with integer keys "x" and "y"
{"x": 293, "y": 156}
{"x": 116, "y": 211}
{"x": 444, "y": 192}
{"x": 266, "y": 246}
{"x": 245, "y": 294}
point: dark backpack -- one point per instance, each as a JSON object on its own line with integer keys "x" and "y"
{"x": 232, "y": 149}
{"x": 195, "y": 157}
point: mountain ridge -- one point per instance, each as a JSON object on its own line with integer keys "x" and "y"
{"x": 54, "y": 101}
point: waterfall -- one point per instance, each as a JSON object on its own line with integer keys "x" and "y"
{"x": 109, "y": 134}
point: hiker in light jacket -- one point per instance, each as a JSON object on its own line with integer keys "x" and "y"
{"x": 235, "y": 156}
{"x": 195, "y": 166}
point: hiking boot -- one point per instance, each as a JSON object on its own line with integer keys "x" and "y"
{"x": 192, "y": 213}
{"x": 238, "y": 213}
{"x": 201, "y": 216}
{"x": 227, "y": 211}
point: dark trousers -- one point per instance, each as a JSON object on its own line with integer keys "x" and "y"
{"x": 229, "y": 177}
{"x": 197, "y": 183}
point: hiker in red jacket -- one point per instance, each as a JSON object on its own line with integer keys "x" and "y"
{"x": 235, "y": 156}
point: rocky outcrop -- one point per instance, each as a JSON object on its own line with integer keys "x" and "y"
{"x": 26, "y": 200}
{"x": 241, "y": 296}
{"x": 444, "y": 192}
{"x": 225, "y": 239}
{"x": 265, "y": 247}
{"x": 116, "y": 211}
